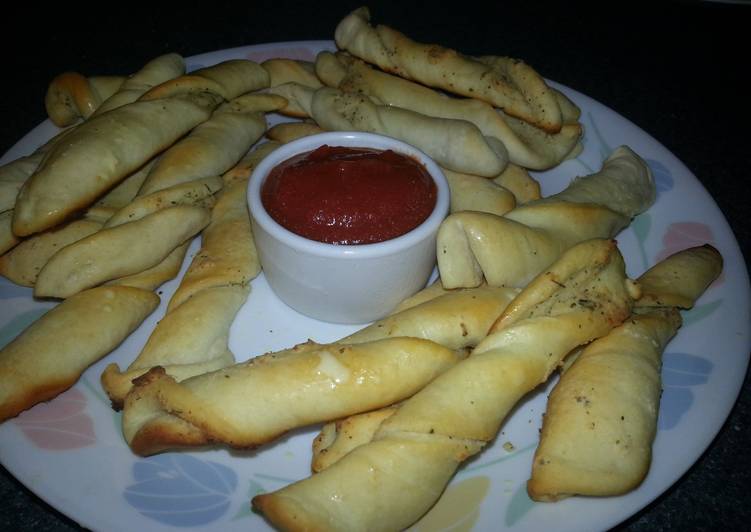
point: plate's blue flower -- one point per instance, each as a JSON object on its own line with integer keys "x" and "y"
{"x": 663, "y": 177}
{"x": 680, "y": 371}
{"x": 179, "y": 490}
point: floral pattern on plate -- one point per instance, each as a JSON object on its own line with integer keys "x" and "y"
{"x": 181, "y": 490}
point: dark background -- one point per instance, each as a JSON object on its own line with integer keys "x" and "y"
{"x": 676, "y": 69}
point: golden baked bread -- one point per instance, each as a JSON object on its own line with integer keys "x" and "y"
{"x": 601, "y": 417}
{"x": 455, "y": 319}
{"x": 390, "y": 482}
{"x": 454, "y": 144}
{"x": 93, "y": 157}
{"x": 529, "y": 147}
{"x": 72, "y": 96}
{"x": 214, "y": 146}
{"x": 193, "y": 336}
{"x": 252, "y": 403}
{"x": 118, "y": 251}
{"x": 507, "y": 83}
{"x": 49, "y": 356}
{"x": 157, "y": 71}
{"x": 510, "y": 250}
{"x": 23, "y": 263}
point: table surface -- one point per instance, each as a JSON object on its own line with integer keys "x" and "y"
{"x": 673, "y": 68}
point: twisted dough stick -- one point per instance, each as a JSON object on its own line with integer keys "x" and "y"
{"x": 72, "y": 96}
{"x": 455, "y": 144}
{"x": 119, "y": 251}
{"x": 510, "y": 250}
{"x": 601, "y": 417}
{"x": 528, "y": 146}
{"x": 252, "y": 403}
{"x": 361, "y": 365}
{"x": 390, "y": 482}
{"x": 456, "y": 319}
{"x": 157, "y": 71}
{"x": 509, "y": 84}
{"x": 50, "y": 355}
{"x": 193, "y": 336}
{"x": 215, "y": 146}
{"x": 102, "y": 151}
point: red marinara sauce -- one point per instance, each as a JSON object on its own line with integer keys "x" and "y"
{"x": 342, "y": 195}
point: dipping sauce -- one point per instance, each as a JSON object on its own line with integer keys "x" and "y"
{"x": 342, "y": 195}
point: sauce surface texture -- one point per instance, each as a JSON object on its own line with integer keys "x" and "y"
{"x": 341, "y": 195}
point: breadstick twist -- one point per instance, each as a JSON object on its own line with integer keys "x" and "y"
{"x": 509, "y": 250}
{"x": 389, "y": 483}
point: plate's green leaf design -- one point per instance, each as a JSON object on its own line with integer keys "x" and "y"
{"x": 254, "y": 488}
{"x": 519, "y": 506}
{"x": 699, "y": 312}
{"x": 458, "y": 509}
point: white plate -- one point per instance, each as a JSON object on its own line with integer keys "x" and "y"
{"x": 70, "y": 451}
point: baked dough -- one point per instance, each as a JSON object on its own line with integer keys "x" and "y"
{"x": 157, "y": 71}
{"x": 72, "y": 96}
{"x": 454, "y": 144}
{"x": 194, "y": 334}
{"x": 528, "y": 147}
{"x": 512, "y": 249}
{"x": 23, "y": 263}
{"x": 215, "y": 145}
{"x": 390, "y": 482}
{"x": 119, "y": 251}
{"x": 601, "y": 417}
{"x": 49, "y": 356}
{"x": 456, "y": 319}
{"x": 283, "y": 70}
{"x": 252, "y": 403}
{"x": 101, "y": 152}
{"x": 506, "y": 83}
{"x": 474, "y": 193}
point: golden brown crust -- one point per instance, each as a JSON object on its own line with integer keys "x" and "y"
{"x": 95, "y": 155}
{"x": 527, "y": 145}
{"x": 252, "y": 403}
{"x": 506, "y": 83}
{"x": 601, "y": 417}
{"x": 71, "y": 96}
{"x": 23, "y": 263}
{"x": 339, "y": 438}
{"x": 390, "y": 482}
{"x": 119, "y": 251}
{"x": 681, "y": 278}
{"x": 510, "y": 250}
{"x": 51, "y": 354}
{"x": 455, "y": 144}
{"x": 456, "y": 319}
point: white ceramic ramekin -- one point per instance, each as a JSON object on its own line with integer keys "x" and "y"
{"x": 343, "y": 283}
